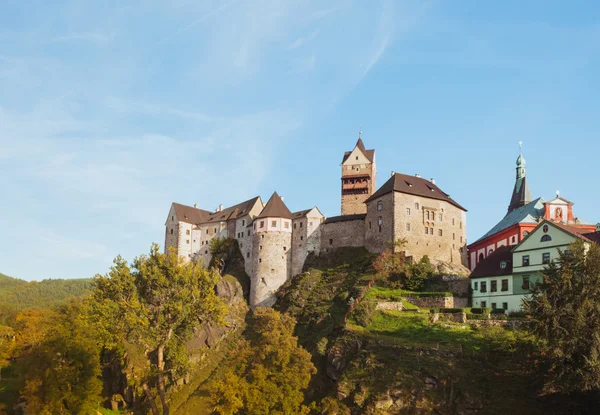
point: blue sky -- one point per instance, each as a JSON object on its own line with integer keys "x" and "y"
{"x": 111, "y": 110}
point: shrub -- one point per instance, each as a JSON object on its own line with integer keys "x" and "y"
{"x": 498, "y": 311}
{"x": 478, "y": 310}
{"x": 517, "y": 314}
{"x": 451, "y": 310}
{"x": 471, "y": 316}
{"x": 364, "y": 312}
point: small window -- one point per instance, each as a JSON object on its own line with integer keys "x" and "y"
{"x": 262, "y": 223}
{"x": 285, "y": 248}
{"x": 248, "y": 233}
{"x": 453, "y": 236}
{"x": 525, "y": 260}
{"x": 187, "y": 231}
{"x": 525, "y": 285}
{"x": 481, "y": 256}
{"x": 357, "y": 159}
{"x": 379, "y": 206}
{"x": 427, "y": 215}
{"x": 440, "y": 217}
{"x": 452, "y": 221}
{"x": 241, "y": 246}
{"x": 187, "y": 241}
{"x": 483, "y": 303}
{"x": 215, "y": 230}
{"x": 369, "y": 225}
{"x": 503, "y": 264}
{"x": 504, "y": 286}
{"x": 416, "y": 206}
{"x": 431, "y": 231}
{"x": 493, "y": 286}
{"x": 262, "y": 236}
{"x": 331, "y": 242}
{"x": 439, "y": 232}
{"x": 206, "y": 252}
{"x": 408, "y": 226}
{"x": 295, "y": 225}
{"x": 546, "y": 258}
{"x": 490, "y": 252}
{"x": 259, "y": 260}
{"x": 408, "y": 211}
{"x": 380, "y": 223}
{"x": 300, "y": 224}
{"x": 260, "y": 247}
{"x": 301, "y": 238}
{"x": 461, "y": 224}
{"x": 546, "y": 238}
{"x": 286, "y": 225}
{"x": 483, "y": 287}
{"x": 461, "y": 239}
{"x": 494, "y": 306}
{"x": 475, "y": 286}
{"x": 505, "y": 306}
{"x": 171, "y": 231}
{"x": 247, "y": 254}
{"x": 426, "y": 230}
{"x": 254, "y": 226}
{"x": 274, "y": 223}
{"x": 244, "y": 222}
{"x": 172, "y": 218}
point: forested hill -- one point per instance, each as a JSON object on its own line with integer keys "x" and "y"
{"x": 16, "y": 294}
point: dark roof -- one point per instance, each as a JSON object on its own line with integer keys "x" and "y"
{"x": 413, "y": 185}
{"x": 232, "y": 212}
{"x": 300, "y": 213}
{"x": 593, "y": 236}
{"x": 490, "y": 266}
{"x": 577, "y": 232}
{"x": 190, "y": 214}
{"x": 521, "y": 195}
{"x": 343, "y": 218}
{"x": 275, "y": 208}
{"x": 369, "y": 154}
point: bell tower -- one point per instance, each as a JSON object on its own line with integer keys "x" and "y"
{"x": 358, "y": 178}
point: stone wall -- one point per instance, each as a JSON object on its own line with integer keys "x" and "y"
{"x": 376, "y": 239}
{"x": 431, "y": 302}
{"x": 413, "y": 214}
{"x": 389, "y": 305}
{"x": 342, "y": 234}
{"x": 272, "y": 264}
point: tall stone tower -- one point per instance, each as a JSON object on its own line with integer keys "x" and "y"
{"x": 271, "y": 251}
{"x": 358, "y": 178}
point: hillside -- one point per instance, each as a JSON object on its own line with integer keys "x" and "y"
{"x": 16, "y": 294}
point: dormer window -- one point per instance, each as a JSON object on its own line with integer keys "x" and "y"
{"x": 503, "y": 265}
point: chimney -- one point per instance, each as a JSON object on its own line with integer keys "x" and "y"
{"x": 418, "y": 175}
{"x": 220, "y": 208}
{"x": 393, "y": 172}
{"x": 196, "y": 205}
{"x": 432, "y": 180}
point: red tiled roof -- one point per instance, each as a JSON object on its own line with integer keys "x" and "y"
{"x": 413, "y": 185}
{"x": 490, "y": 266}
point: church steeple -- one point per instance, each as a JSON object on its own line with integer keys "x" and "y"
{"x": 521, "y": 195}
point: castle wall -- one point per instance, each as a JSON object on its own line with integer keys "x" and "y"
{"x": 340, "y": 234}
{"x": 445, "y": 239}
{"x": 377, "y": 238}
{"x": 243, "y": 234}
{"x": 208, "y": 232}
{"x": 299, "y": 244}
{"x": 272, "y": 264}
{"x": 172, "y": 230}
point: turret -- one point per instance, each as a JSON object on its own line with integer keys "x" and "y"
{"x": 358, "y": 178}
{"x": 271, "y": 251}
{"x": 521, "y": 194}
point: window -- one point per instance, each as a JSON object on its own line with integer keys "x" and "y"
{"x": 171, "y": 231}
{"x": 295, "y": 224}
{"x": 461, "y": 224}
{"x": 452, "y": 221}
{"x": 504, "y": 285}
{"x": 525, "y": 285}
{"x": 416, "y": 206}
{"x": 505, "y": 306}
{"x": 369, "y": 225}
{"x": 172, "y": 218}
{"x": 453, "y": 236}
{"x": 206, "y": 252}
{"x": 300, "y": 224}
{"x": 215, "y": 230}
{"x": 431, "y": 231}
{"x": 483, "y": 304}
{"x": 187, "y": 231}
{"x": 427, "y": 215}
{"x": 243, "y": 222}
{"x": 187, "y": 241}
{"x": 248, "y": 233}
{"x": 260, "y": 247}
{"x": 426, "y": 230}
{"x": 274, "y": 223}
{"x": 493, "y": 286}
{"x": 490, "y": 252}
{"x": 503, "y": 264}
{"x": 379, "y": 206}
{"x": 461, "y": 239}
{"x": 254, "y": 226}
{"x": 302, "y": 237}
{"x": 247, "y": 254}
{"x": 241, "y": 245}
{"x": 262, "y": 236}
{"x": 525, "y": 260}
{"x": 546, "y": 238}
{"x": 285, "y": 248}
{"x": 440, "y": 232}
{"x": 408, "y": 226}
{"x": 262, "y": 223}
{"x": 440, "y": 217}
{"x": 286, "y": 225}
{"x": 259, "y": 260}
{"x": 408, "y": 211}
{"x": 331, "y": 242}
{"x": 481, "y": 256}
{"x": 494, "y": 306}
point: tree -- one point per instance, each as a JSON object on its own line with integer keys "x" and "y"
{"x": 60, "y": 357}
{"x": 391, "y": 265}
{"x": 271, "y": 370}
{"x": 566, "y": 314}
{"x": 154, "y": 305}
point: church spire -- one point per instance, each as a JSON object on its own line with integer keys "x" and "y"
{"x": 521, "y": 195}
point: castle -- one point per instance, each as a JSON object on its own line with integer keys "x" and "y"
{"x": 275, "y": 242}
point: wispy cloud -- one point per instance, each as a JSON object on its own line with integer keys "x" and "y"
{"x": 301, "y": 41}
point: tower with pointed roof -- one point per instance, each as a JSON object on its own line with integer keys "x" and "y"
{"x": 521, "y": 195}
{"x": 358, "y": 178}
{"x": 271, "y": 251}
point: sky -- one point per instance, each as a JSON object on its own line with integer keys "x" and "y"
{"x": 111, "y": 110}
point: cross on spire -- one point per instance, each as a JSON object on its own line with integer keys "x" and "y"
{"x": 360, "y": 132}
{"x": 520, "y": 147}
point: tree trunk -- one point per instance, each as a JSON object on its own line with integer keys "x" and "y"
{"x": 161, "y": 380}
{"x": 150, "y": 399}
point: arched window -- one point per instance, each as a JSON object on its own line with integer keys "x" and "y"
{"x": 490, "y": 252}
{"x": 481, "y": 256}
{"x": 546, "y": 238}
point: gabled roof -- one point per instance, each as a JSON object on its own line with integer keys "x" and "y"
{"x": 571, "y": 230}
{"x": 369, "y": 154}
{"x": 530, "y": 213}
{"x": 491, "y": 265}
{"x": 343, "y": 218}
{"x": 562, "y": 199}
{"x": 189, "y": 214}
{"x": 413, "y": 185}
{"x": 303, "y": 213}
{"x": 275, "y": 208}
{"x": 232, "y": 212}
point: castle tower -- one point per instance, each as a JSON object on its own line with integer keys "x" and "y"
{"x": 271, "y": 251}
{"x": 521, "y": 195}
{"x": 358, "y": 178}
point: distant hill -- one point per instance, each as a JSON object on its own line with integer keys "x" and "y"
{"x": 16, "y": 294}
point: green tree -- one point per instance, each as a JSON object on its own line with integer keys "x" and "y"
{"x": 391, "y": 266}
{"x": 566, "y": 314}
{"x": 154, "y": 305}
{"x": 60, "y": 357}
{"x": 271, "y": 370}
